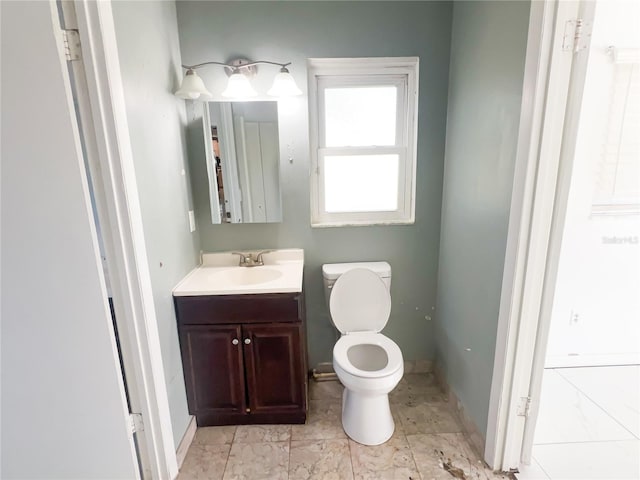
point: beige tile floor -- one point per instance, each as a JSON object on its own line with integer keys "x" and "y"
{"x": 428, "y": 443}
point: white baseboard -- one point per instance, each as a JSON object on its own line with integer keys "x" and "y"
{"x": 185, "y": 443}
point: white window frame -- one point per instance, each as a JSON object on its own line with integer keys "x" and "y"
{"x": 337, "y": 72}
{"x": 613, "y": 203}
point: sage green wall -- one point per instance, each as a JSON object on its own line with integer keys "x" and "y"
{"x": 295, "y": 31}
{"x": 149, "y": 54}
{"x": 485, "y": 91}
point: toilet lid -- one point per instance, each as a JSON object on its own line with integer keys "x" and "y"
{"x": 359, "y": 302}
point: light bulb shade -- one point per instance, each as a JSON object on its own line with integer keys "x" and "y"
{"x": 284, "y": 85}
{"x": 239, "y": 87}
{"x": 192, "y": 87}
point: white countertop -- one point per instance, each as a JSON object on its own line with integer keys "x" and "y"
{"x": 220, "y": 274}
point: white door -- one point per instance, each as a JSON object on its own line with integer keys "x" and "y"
{"x": 64, "y": 412}
{"x": 595, "y": 312}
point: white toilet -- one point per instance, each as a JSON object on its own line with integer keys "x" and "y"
{"x": 368, "y": 364}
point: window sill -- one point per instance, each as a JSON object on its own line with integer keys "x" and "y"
{"x": 367, "y": 223}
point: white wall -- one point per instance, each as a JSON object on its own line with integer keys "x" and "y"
{"x": 596, "y": 302}
{"x": 149, "y": 53}
{"x": 64, "y": 413}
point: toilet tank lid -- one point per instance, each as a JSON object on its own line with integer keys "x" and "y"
{"x": 331, "y": 271}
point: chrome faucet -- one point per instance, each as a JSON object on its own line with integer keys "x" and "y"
{"x": 248, "y": 260}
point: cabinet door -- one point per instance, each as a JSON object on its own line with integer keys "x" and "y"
{"x": 274, "y": 367}
{"x": 213, "y": 368}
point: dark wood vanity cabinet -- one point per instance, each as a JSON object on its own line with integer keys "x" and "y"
{"x": 213, "y": 369}
{"x": 244, "y": 358}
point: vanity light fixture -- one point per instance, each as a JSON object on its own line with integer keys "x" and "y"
{"x": 239, "y": 86}
{"x": 192, "y": 87}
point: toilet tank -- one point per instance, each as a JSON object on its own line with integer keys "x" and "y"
{"x": 331, "y": 272}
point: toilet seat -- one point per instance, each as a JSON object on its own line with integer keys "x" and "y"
{"x": 342, "y": 346}
{"x": 360, "y": 305}
{"x": 359, "y": 302}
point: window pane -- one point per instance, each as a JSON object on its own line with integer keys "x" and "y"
{"x": 361, "y": 183}
{"x": 360, "y": 116}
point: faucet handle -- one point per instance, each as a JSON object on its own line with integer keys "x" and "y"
{"x": 259, "y": 259}
{"x": 243, "y": 257}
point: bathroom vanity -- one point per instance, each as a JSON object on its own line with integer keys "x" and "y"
{"x": 243, "y": 342}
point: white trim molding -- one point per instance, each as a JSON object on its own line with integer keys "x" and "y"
{"x": 113, "y": 173}
{"x": 542, "y": 123}
{"x": 187, "y": 440}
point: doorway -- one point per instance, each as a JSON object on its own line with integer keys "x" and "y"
{"x": 98, "y": 99}
{"x": 572, "y": 252}
{"x": 586, "y": 423}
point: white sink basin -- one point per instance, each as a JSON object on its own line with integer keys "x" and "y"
{"x": 220, "y": 274}
{"x": 247, "y": 275}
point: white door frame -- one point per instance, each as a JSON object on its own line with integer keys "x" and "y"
{"x": 541, "y": 184}
{"x": 112, "y": 169}
{"x": 568, "y": 138}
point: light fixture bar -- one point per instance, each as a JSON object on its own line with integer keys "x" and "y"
{"x": 231, "y": 65}
{"x": 239, "y": 86}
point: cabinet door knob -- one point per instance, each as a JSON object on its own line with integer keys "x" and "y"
{"x": 235, "y": 341}
{"x": 247, "y": 341}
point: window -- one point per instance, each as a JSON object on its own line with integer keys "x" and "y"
{"x": 363, "y": 120}
{"x": 617, "y": 188}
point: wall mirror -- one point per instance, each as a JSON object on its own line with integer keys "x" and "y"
{"x": 243, "y": 157}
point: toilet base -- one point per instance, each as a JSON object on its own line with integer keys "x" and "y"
{"x": 367, "y": 419}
